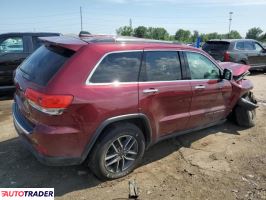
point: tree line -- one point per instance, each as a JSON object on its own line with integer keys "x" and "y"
{"x": 186, "y": 36}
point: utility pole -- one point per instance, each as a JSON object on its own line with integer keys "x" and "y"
{"x": 130, "y": 23}
{"x": 230, "y": 21}
{"x": 81, "y": 22}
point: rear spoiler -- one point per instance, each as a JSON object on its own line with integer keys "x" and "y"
{"x": 67, "y": 42}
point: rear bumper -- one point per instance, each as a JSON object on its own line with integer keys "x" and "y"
{"x": 25, "y": 131}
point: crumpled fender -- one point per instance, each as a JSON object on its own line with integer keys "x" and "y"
{"x": 237, "y": 69}
{"x": 247, "y": 104}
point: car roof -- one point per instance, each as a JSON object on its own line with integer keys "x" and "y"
{"x": 230, "y": 40}
{"x": 29, "y": 34}
{"x": 114, "y": 42}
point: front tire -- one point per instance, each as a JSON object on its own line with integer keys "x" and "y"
{"x": 244, "y": 117}
{"x": 118, "y": 152}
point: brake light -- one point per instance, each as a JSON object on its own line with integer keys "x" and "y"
{"x": 226, "y": 56}
{"x": 50, "y": 104}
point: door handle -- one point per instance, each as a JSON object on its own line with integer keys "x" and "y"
{"x": 200, "y": 87}
{"x": 151, "y": 90}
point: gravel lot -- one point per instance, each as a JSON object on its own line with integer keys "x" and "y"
{"x": 222, "y": 162}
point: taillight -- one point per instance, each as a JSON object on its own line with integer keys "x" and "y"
{"x": 50, "y": 104}
{"x": 226, "y": 56}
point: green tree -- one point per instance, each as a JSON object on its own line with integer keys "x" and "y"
{"x": 141, "y": 32}
{"x": 195, "y": 36}
{"x": 214, "y": 35}
{"x": 125, "y": 31}
{"x": 234, "y": 35}
{"x": 263, "y": 37}
{"x": 204, "y": 37}
{"x": 158, "y": 33}
{"x": 183, "y": 35}
{"x": 254, "y": 33}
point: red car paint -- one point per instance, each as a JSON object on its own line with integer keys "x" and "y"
{"x": 177, "y": 107}
{"x": 236, "y": 68}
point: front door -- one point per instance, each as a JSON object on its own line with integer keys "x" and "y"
{"x": 163, "y": 96}
{"x": 210, "y": 92}
{"x": 261, "y": 54}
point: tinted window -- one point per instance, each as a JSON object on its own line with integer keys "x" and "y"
{"x": 258, "y": 47}
{"x": 118, "y": 67}
{"x": 249, "y": 45}
{"x": 161, "y": 66}
{"x": 44, "y": 63}
{"x": 36, "y": 42}
{"x": 201, "y": 67}
{"x": 240, "y": 46}
{"x": 216, "y": 46}
{"x": 11, "y": 45}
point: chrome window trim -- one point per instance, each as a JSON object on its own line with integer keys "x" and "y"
{"x": 147, "y": 82}
{"x": 141, "y": 82}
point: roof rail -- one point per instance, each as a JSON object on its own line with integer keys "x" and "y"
{"x": 122, "y": 39}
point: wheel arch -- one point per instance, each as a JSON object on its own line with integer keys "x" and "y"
{"x": 139, "y": 119}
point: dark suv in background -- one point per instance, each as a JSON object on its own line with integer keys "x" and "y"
{"x": 14, "y": 48}
{"x": 243, "y": 51}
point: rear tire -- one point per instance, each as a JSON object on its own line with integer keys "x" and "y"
{"x": 118, "y": 152}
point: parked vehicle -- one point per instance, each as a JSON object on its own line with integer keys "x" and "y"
{"x": 14, "y": 48}
{"x": 107, "y": 99}
{"x": 244, "y": 51}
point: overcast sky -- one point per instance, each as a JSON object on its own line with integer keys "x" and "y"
{"x": 105, "y": 16}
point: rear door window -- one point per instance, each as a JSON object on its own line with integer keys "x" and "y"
{"x": 118, "y": 67}
{"x": 240, "y": 46}
{"x": 161, "y": 66}
{"x": 43, "y": 64}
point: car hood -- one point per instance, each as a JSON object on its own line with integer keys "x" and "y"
{"x": 237, "y": 69}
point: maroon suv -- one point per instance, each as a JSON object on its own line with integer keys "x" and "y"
{"x": 107, "y": 99}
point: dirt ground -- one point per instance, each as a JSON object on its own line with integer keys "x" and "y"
{"x": 222, "y": 162}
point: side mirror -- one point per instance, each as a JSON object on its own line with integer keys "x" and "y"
{"x": 227, "y": 74}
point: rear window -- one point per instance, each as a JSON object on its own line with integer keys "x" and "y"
{"x": 216, "y": 46}
{"x": 118, "y": 67}
{"x": 43, "y": 64}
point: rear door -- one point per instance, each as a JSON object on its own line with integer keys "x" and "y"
{"x": 163, "y": 96}
{"x": 210, "y": 93}
{"x": 13, "y": 51}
